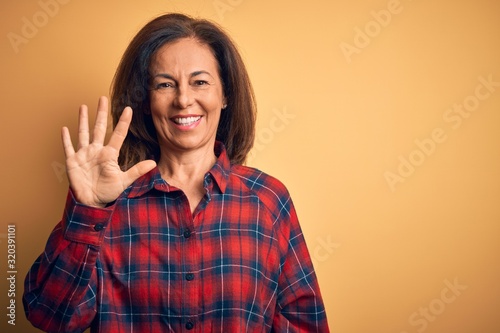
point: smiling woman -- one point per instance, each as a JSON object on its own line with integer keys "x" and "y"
{"x": 186, "y": 101}
{"x": 134, "y": 80}
{"x": 187, "y": 240}
{"x": 186, "y": 97}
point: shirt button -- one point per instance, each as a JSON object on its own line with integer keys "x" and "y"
{"x": 187, "y": 233}
{"x": 190, "y": 276}
{"x": 189, "y": 325}
{"x": 99, "y": 226}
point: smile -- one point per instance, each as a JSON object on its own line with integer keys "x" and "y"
{"x": 186, "y": 121}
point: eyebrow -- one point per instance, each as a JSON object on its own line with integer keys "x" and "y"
{"x": 193, "y": 74}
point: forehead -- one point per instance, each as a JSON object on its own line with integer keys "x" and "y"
{"x": 185, "y": 54}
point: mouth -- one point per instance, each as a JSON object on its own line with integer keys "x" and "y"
{"x": 186, "y": 121}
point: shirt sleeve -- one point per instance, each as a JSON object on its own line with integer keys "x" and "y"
{"x": 299, "y": 306}
{"x": 61, "y": 286}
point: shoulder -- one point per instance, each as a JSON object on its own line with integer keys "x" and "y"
{"x": 271, "y": 191}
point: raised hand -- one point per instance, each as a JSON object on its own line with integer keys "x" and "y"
{"x": 93, "y": 171}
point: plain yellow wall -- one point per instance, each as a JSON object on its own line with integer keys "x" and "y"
{"x": 381, "y": 117}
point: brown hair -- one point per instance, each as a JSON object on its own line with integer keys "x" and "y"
{"x": 131, "y": 88}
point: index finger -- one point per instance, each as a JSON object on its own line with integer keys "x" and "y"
{"x": 121, "y": 129}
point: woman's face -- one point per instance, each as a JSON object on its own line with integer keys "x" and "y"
{"x": 186, "y": 96}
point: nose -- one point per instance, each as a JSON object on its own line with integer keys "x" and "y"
{"x": 184, "y": 96}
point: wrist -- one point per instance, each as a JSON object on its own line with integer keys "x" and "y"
{"x": 86, "y": 201}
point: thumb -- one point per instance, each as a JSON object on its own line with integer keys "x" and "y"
{"x": 138, "y": 170}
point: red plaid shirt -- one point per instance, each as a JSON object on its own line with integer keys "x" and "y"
{"x": 239, "y": 263}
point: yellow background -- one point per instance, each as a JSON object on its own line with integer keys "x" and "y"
{"x": 332, "y": 125}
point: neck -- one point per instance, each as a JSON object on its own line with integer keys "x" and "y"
{"x": 186, "y": 168}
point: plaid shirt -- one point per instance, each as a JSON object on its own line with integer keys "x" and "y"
{"x": 239, "y": 263}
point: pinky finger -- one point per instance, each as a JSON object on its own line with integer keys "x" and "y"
{"x": 69, "y": 150}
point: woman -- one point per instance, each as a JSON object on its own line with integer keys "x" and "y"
{"x": 164, "y": 230}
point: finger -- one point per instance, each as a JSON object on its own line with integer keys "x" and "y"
{"x": 121, "y": 129}
{"x": 67, "y": 144}
{"x": 101, "y": 121}
{"x": 137, "y": 171}
{"x": 83, "y": 127}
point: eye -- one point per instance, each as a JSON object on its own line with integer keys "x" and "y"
{"x": 201, "y": 83}
{"x": 164, "y": 85}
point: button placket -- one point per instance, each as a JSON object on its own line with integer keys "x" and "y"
{"x": 189, "y": 254}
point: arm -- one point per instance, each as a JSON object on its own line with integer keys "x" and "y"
{"x": 61, "y": 286}
{"x": 300, "y": 306}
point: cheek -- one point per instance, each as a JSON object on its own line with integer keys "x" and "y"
{"x": 154, "y": 101}
{"x": 213, "y": 102}
{"x": 157, "y": 109}
{"x": 159, "y": 105}
{"x": 214, "y": 119}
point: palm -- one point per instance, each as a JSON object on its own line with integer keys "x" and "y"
{"x": 93, "y": 171}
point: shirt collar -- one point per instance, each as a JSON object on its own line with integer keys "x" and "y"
{"x": 219, "y": 173}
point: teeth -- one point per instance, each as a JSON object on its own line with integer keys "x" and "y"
{"x": 186, "y": 121}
